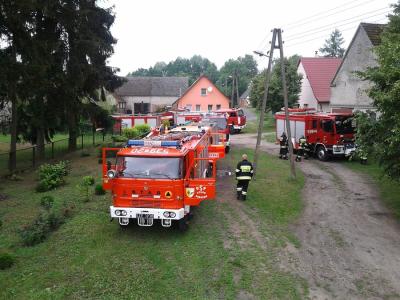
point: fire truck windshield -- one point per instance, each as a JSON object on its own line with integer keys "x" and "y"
{"x": 149, "y": 167}
{"x": 344, "y": 125}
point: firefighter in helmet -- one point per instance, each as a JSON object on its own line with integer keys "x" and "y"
{"x": 283, "y": 142}
{"x": 303, "y": 148}
{"x": 244, "y": 173}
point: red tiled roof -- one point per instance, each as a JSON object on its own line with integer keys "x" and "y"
{"x": 320, "y": 72}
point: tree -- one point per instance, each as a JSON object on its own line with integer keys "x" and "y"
{"x": 384, "y": 133}
{"x": 275, "y": 92}
{"x": 333, "y": 45}
{"x": 245, "y": 69}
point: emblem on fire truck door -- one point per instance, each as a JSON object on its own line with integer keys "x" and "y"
{"x": 190, "y": 192}
{"x": 201, "y": 192}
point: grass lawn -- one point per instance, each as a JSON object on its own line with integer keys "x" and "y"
{"x": 269, "y": 123}
{"x": 91, "y": 257}
{"x": 388, "y": 189}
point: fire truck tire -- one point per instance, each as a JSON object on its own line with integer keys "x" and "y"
{"x": 183, "y": 224}
{"x": 227, "y": 148}
{"x": 231, "y": 129}
{"x": 322, "y": 154}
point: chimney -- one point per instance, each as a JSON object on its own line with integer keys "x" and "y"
{"x": 316, "y": 54}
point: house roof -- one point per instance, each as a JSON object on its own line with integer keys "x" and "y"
{"x": 319, "y": 72}
{"x": 153, "y": 86}
{"x": 194, "y": 83}
{"x": 373, "y": 32}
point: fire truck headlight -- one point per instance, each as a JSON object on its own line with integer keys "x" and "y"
{"x": 169, "y": 214}
{"x": 111, "y": 174}
{"x": 123, "y": 213}
{"x": 117, "y": 212}
{"x": 166, "y": 214}
{"x": 172, "y": 214}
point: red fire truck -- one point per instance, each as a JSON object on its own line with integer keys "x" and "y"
{"x": 161, "y": 177}
{"x": 236, "y": 118}
{"x": 327, "y": 134}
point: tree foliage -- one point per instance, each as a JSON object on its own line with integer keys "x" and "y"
{"x": 53, "y": 58}
{"x": 192, "y": 68}
{"x": 244, "y": 67}
{"x": 384, "y": 133}
{"x": 333, "y": 45}
{"x": 275, "y": 92}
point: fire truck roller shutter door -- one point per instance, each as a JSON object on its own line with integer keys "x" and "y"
{"x": 293, "y": 128}
{"x": 300, "y": 129}
{"x": 152, "y": 122}
{"x": 139, "y": 121}
{"x": 280, "y": 127}
{"x": 126, "y": 123}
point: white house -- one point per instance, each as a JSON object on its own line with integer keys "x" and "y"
{"x": 348, "y": 91}
{"x": 317, "y": 75}
{"x": 148, "y": 94}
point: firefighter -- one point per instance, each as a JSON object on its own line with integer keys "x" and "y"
{"x": 244, "y": 173}
{"x": 283, "y": 142}
{"x": 302, "y": 151}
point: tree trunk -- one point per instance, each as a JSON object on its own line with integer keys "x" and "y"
{"x": 14, "y": 131}
{"x": 72, "y": 128}
{"x": 40, "y": 147}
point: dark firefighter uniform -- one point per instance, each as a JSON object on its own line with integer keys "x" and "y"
{"x": 244, "y": 173}
{"x": 283, "y": 151}
{"x": 302, "y": 151}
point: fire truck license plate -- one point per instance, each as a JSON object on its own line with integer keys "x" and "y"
{"x": 145, "y": 219}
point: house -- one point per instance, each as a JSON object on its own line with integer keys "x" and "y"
{"x": 244, "y": 99}
{"x": 348, "y": 91}
{"x": 202, "y": 95}
{"x": 317, "y": 75}
{"x": 142, "y": 95}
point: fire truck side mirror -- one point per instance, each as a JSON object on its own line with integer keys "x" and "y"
{"x": 111, "y": 174}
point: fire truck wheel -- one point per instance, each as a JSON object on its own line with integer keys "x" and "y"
{"x": 231, "y": 129}
{"x": 322, "y": 154}
{"x": 227, "y": 148}
{"x": 182, "y": 224}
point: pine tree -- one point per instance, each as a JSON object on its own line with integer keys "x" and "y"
{"x": 333, "y": 45}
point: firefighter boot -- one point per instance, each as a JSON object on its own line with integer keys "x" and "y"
{"x": 243, "y": 197}
{"x": 238, "y": 195}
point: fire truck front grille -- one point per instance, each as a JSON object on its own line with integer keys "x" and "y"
{"x": 152, "y": 203}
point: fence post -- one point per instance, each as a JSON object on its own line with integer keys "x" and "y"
{"x": 33, "y": 156}
{"x": 82, "y": 140}
{"x": 52, "y": 150}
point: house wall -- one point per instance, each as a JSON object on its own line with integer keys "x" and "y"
{"x": 155, "y": 101}
{"x": 349, "y": 91}
{"x": 306, "y": 98}
{"x": 193, "y": 97}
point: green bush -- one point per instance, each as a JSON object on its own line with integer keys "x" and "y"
{"x": 98, "y": 190}
{"x": 142, "y": 129}
{"x": 47, "y": 202}
{"x": 37, "y": 232}
{"x": 52, "y": 175}
{"x": 6, "y": 261}
{"x": 131, "y": 133}
{"x": 119, "y": 139}
{"x": 84, "y": 186}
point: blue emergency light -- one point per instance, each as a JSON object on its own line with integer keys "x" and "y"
{"x": 150, "y": 143}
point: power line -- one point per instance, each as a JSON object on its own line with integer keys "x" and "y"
{"x": 333, "y": 25}
{"x": 322, "y": 16}
{"x": 344, "y": 20}
{"x": 319, "y": 37}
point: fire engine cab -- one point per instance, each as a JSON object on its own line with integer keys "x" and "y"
{"x": 236, "y": 118}
{"x": 327, "y": 134}
{"x": 161, "y": 177}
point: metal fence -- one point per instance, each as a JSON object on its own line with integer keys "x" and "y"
{"x": 27, "y": 158}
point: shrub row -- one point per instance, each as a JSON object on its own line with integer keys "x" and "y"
{"x": 52, "y": 176}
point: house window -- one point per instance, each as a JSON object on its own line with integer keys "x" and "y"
{"x": 218, "y": 106}
{"x": 197, "y": 107}
{"x": 189, "y": 107}
{"x": 305, "y": 105}
{"x": 210, "y": 107}
{"x": 203, "y": 92}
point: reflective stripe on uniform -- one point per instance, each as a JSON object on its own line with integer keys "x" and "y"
{"x": 244, "y": 193}
{"x": 237, "y": 170}
{"x": 245, "y": 168}
{"x": 238, "y": 189}
{"x": 251, "y": 171}
{"x": 243, "y": 178}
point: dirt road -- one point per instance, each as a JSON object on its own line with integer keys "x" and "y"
{"x": 350, "y": 243}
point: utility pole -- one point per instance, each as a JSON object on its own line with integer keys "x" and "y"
{"x": 264, "y": 102}
{"x": 285, "y": 99}
{"x": 275, "y": 33}
{"x": 237, "y": 88}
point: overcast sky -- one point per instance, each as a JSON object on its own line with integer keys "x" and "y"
{"x": 149, "y": 31}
